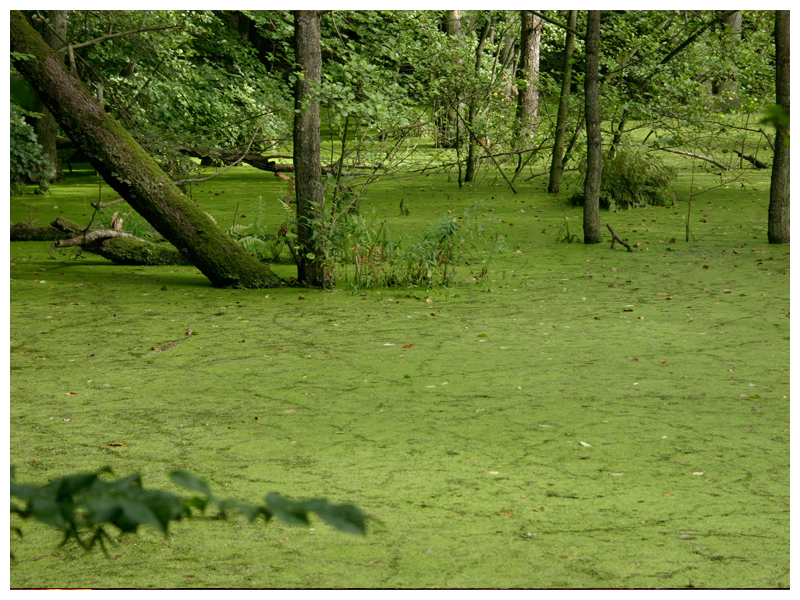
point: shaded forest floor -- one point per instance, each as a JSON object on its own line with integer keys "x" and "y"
{"x": 581, "y": 417}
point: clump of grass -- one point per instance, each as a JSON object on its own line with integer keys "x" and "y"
{"x": 631, "y": 180}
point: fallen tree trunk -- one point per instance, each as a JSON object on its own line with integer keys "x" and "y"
{"x": 751, "y": 159}
{"x": 713, "y": 161}
{"x": 127, "y": 168}
{"x": 25, "y": 232}
{"x": 264, "y": 163}
{"x": 117, "y": 246}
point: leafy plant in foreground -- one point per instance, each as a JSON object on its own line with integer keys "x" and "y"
{"x": 82, "y": 506}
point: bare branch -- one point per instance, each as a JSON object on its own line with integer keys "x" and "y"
{"x": 113, "y": 35}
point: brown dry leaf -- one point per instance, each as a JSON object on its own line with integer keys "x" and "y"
{"x": 71, "y": 394}
{"x": 407, "y": 346}
{"x": 291, "y": 410}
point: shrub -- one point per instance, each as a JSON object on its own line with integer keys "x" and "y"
{"x": 28, "y": 160}
{"x": 631, "y": 180}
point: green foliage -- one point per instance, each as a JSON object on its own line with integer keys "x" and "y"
{"x": 256, "y": 238}
{"x": 777, "y": 116}
{"x": 363, "y": 253}
{"x": 83, "y": 506}
{"x": 631, "y": 180}
{"x": 28, "y": 161}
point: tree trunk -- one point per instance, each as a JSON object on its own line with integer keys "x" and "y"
{"x": 133, "y": 174}
{"x": 448, "y": 126}
{"x": 592, "y": 233}
{"x": 54, "y": 33}
{"x": 472, "y": 154}
{"x": 307, "y": 161}
{"x": 556, "y": 167}
{"x": 528, "y": 76}
{"x": 727, "y": 89}
{"x": 778, "y": 222}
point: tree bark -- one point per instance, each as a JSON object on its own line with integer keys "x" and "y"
{"x": 133, "y": 174}
{"x": 307, "y": 161}
{"x": 528, "y": 76}
{"x": 472, "y": 153}
{"x": 727, "y": 89}
{"x": 778, "y": 221}
{"x": 54, "y": 33}
{"x": 557, "y": 167}
{"x": 592, "y": 233}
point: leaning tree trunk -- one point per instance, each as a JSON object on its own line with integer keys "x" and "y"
{"x": 54, "y": 33}
{"x": 133, "y": 174}
{"x": 307, "y": 161}
{"x": 778, "y": 222}
{"x": 557, "y": 167}
{"x": 594, "y": 155}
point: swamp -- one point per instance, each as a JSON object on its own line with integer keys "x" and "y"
{"x": 527, "y": 411}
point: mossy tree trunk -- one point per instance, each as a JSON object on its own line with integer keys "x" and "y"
{"x": 778, "y": 221}
{"x": 307, "y": 161}
{"x": 594, "y": 156}
{"x": 127, "y": 168}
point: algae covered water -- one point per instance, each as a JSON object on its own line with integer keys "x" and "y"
{"x": 577, "y": 417}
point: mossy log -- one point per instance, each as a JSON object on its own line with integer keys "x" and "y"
{"x": 128, "y": 169}
{"x": 117, "y": 246}
{"x": 25, "y": 232}
{"x": 131, "y": 250}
